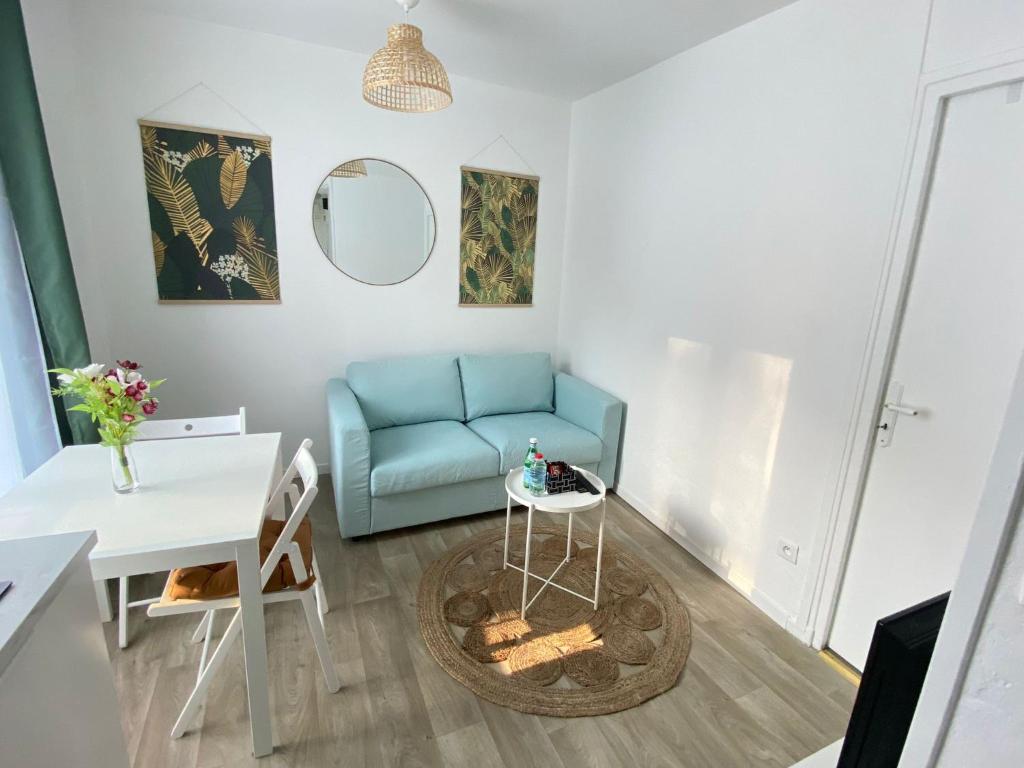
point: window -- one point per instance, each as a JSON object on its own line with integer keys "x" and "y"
{"x": 28, "y": 431}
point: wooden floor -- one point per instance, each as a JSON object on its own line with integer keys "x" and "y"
{"x": 750, "y": 695}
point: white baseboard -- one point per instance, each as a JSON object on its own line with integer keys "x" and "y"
{"x": 759, "y": 599}
{"x": 659, "y": 520}
{"x": 802, "y": 632}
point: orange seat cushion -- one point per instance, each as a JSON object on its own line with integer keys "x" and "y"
{"x": 209, "y": 582}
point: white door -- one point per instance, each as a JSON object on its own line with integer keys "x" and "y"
{"x": 962, "y": 335}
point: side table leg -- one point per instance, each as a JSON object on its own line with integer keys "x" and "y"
{"x": 526, "y": 562}
{"x": 508, "y": 523}
{"x": 568, "y": 540}
{"x": 600, "y": 553}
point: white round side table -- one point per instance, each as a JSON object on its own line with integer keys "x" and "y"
{"x": 560, "y": 504}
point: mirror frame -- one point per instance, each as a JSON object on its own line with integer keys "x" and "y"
{"x": 433, "y": 213}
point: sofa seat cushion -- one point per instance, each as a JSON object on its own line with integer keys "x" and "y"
{"x": 558, "y": 439}
{"x": 418, "y": 456}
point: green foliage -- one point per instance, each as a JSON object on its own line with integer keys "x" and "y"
{"x": 106, "y": 400}
{"x": 242, "y": 290}
{"x": 180, "y": 274}
{"x": 198, "y": 185}
{"x": 498, "y": 238}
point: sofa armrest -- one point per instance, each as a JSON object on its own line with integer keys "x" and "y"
{"x": 596, "y": 411}
{"x": 350, "y": 459}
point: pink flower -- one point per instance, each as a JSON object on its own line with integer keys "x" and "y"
{"x": 128, "y": 365}
{"x": 149, "y": 407}
{"x": 127, "y": 418}
{"x": 142, "y": 386}
{"x": 131, "y": 391}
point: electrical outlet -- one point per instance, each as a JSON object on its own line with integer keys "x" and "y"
{"x": 787, "y": 550}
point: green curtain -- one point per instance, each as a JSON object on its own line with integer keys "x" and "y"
{"x": 36, "y": 210}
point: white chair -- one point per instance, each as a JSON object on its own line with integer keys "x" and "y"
{"x": 171, "y": 429}
{"x": 208, "y": 426}
{"x": 303, "y": 466}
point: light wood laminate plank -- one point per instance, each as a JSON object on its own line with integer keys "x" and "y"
{"x": 750, "y": 695}
{"x": 470, "y": 747}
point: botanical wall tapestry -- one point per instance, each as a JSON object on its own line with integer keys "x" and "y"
{"x": 211, "y": 214}
{"x": 498, "y": 238}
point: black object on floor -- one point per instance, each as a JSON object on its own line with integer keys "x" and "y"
{"x": 893, "y": 676}
{"x": 4, "y": 586}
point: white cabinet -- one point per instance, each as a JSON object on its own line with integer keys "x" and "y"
{"x": 58, "y": 706}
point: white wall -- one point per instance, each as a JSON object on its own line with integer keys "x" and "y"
{"x": 106, "y": 64}
{"x": 729, "y": 211}
{"x": 968, "y": 30}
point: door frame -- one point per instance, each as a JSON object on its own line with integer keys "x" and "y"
{"x": 934, "y": 91}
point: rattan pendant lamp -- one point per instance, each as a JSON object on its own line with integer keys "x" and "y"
{"x": 403, "y": 75}
{"x": 353, "y": 169}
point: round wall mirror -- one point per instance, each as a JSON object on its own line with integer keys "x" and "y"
{"x": 373, "y": 221}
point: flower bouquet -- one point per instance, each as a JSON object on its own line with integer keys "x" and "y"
{"x": 117, "y": 401}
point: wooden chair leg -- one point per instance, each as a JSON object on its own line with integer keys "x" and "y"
{"x": 323, "y": 650}
{"x": 122, "y": 612}
{"x": 198, "y": 695}
{"x": 205, "y": 628}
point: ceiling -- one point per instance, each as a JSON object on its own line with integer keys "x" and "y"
{"x": 565, "y": 48}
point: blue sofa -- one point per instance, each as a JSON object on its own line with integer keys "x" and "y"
{"x": 419, "y": 439}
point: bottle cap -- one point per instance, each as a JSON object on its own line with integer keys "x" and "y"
{"x": 533, "y": 439}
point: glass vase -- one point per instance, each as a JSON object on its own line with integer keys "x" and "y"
{"x": 123, "y": 471}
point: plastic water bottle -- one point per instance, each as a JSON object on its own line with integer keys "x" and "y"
{"x": 539, "y": 475}
{"x": 531, "y": 452}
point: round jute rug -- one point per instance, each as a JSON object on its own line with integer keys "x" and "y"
{"x": 565, "y": 659}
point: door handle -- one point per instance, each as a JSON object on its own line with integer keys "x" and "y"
{"x": 892, "y": 409}
{"x": 906, "y": 410}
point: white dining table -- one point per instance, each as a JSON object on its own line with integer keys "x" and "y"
{"x": 201, "y": 500}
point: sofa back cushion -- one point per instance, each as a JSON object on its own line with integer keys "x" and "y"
{"x": 493, "y": 384}
{"x": 408, "y": 390}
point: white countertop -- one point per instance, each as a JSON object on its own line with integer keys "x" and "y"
{"x": 38, "y": 568}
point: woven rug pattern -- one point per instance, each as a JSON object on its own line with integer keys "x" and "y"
{"x": 565, "y": 659}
